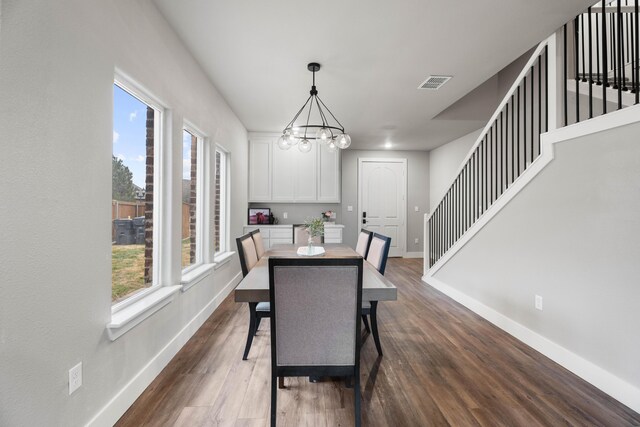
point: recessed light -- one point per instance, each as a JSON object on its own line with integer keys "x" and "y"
{"x": 387, "y": 145}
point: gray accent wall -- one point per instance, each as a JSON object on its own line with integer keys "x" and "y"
{"x": 417, "y": 192}
{"x": 570, "y": 236}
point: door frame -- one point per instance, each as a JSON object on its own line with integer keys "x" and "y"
{"x": 403, "y": 161}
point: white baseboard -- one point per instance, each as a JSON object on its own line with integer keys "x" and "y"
{"x": 614, "y": 386}
{"x": 413, "y": 255}
{"x": 119, "y": 404}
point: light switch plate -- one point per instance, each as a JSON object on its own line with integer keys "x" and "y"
{"x": 75, "y": 377}
{"x": 349, "y": 208}
{"x": 416, "y": 208}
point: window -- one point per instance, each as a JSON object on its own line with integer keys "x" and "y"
{"x": 136, "y": 127}
{"x": 221, "y": 203}
{"x": 191, "y": 199}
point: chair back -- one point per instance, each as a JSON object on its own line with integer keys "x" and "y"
{"x": 379, "y": 251}
{"x": 258, "y": 242}
{"x": 247, "y": 253}
{"x": 325, "y": 333}
{"x": 364, "y": 240}
{"x": 301, "y": 236}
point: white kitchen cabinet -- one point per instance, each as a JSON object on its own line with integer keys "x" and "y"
{"x": 272, "y": 234}
{"x": 333, "y": 233}
{"x": 260, "y": 167}
{"x": 328, "y": 175}
{"x": 290, "y": 176}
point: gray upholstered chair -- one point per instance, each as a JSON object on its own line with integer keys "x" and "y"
{"x": 364, "y": 240}
{"x": 320, "y": 339}
{"x": 301, "y": 236}
{"x": 257, "y": 310}
{"x": 376, "y": 255}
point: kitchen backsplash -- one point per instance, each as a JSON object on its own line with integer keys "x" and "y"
{"x": 298, "y": 212}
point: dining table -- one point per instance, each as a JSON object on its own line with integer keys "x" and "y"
{"x": 254, "y": 288}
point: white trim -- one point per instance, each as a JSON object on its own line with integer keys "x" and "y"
{"x": 614, "y": 386}
{"x": 548, "y": 140}
{"x": 405, "y": 195}
{"x": 223, "y": 258}
{"x": 195, "y": 275}
{"x": 413, "y": 255}
{"x": 125, "y": 319}
{"x": 118, "y": 405}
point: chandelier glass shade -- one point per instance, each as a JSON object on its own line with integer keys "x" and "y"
{"x": 317, "y": 123}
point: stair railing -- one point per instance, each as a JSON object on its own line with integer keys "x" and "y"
{"x": 506, "y": 147}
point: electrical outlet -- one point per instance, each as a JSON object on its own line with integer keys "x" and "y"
{"x": 349, "y": 208}
{"x": 285, "y": 215}
{"x": 75, "y": 377}
{"x": 416, "y": 241}
{"x": 538, "y": 302}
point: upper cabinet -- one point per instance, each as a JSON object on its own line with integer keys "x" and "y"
{"x": 290, "y": 176}
{"x": 260, "y": 166}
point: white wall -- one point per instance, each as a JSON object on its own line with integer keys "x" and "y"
{"x": 57, "y": 64}
{"x": 570, "y": 236}
{"x": 417, "y": 194}
{"x": 444, "y": 162}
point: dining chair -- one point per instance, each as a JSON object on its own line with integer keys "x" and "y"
{"x": 301, "y": 236}
{"x": 320, "y": 339}
{"x": 364, "y": 240}
{"x": 377, "y": 256}
{"x": 257, "y": 310}
{"x": 257, "y": 240}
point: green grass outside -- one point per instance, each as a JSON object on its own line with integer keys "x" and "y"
{"x": 127, "y": 268}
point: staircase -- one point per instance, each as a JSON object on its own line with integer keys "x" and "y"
{"x": 600, "y": 50}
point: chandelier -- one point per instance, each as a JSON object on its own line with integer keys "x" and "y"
{"x": 324, "y": 131}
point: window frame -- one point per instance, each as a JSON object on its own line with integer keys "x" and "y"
{"x": 224, "y": 208}
{"x": 201, "y": 199}
{"x": 160, "y": 115}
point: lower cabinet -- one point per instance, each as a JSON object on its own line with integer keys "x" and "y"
{"x": 283, "y": 234}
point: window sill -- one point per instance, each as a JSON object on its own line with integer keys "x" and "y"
{"x": 195, "y": 275}
{"x": 125, "y": 319}
{"x": 222, "y": 259}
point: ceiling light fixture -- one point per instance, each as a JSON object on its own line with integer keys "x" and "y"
{"x": 332, "y": 134}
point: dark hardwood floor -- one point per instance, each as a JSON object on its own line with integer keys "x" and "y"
{"x": 442, "y": 365}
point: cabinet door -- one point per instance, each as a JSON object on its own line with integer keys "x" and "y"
{"x": 306, "y": 179}
{"x": 283, "y": 174}
{"x": 328, "y": 175}
{"x": 260, "y": 170}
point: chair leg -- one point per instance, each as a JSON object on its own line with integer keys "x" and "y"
{"x": 274, "y": 397}
{"x": 252, "y": 327}
{"x": 258, "y": 319}
{"x": 374, "y": 325}
{"x": 280, "y": 382}
{"x": 356, "y": 393}
{"x": 366, "y": 323}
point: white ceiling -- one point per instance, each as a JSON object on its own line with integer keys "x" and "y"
{"x": 374, "y": 54}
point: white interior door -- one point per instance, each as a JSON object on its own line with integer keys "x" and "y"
{"x": 382, "y": 185}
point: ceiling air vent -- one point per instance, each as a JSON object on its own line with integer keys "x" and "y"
{"x": 434, "y": 82}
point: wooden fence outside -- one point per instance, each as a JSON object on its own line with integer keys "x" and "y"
{"x": 130, "y": 210}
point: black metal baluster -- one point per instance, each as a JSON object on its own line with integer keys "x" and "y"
{"x": 590, "y": 68}
{"x": 485, "y": 174}
{"x": 518, "y": 133}
{"x": 546, "y": 89}
{"x": 620, "y": 67}
{"x": 524, "y": 123}
{"x": 513, "y": 140}
{"x": 575, "y": 25}
{"x": 565, "y": 100}
{"x": 605, "y": 71}
{"x": 532, "y": 110}
{"x": 501, "y": 152}
{"x": 636, "y": 65}
{"x": 539, "y": 101}
{"x": 612, "y": 41}
{"x": 598, "y": 76}
{"x": 584, "y": 68}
